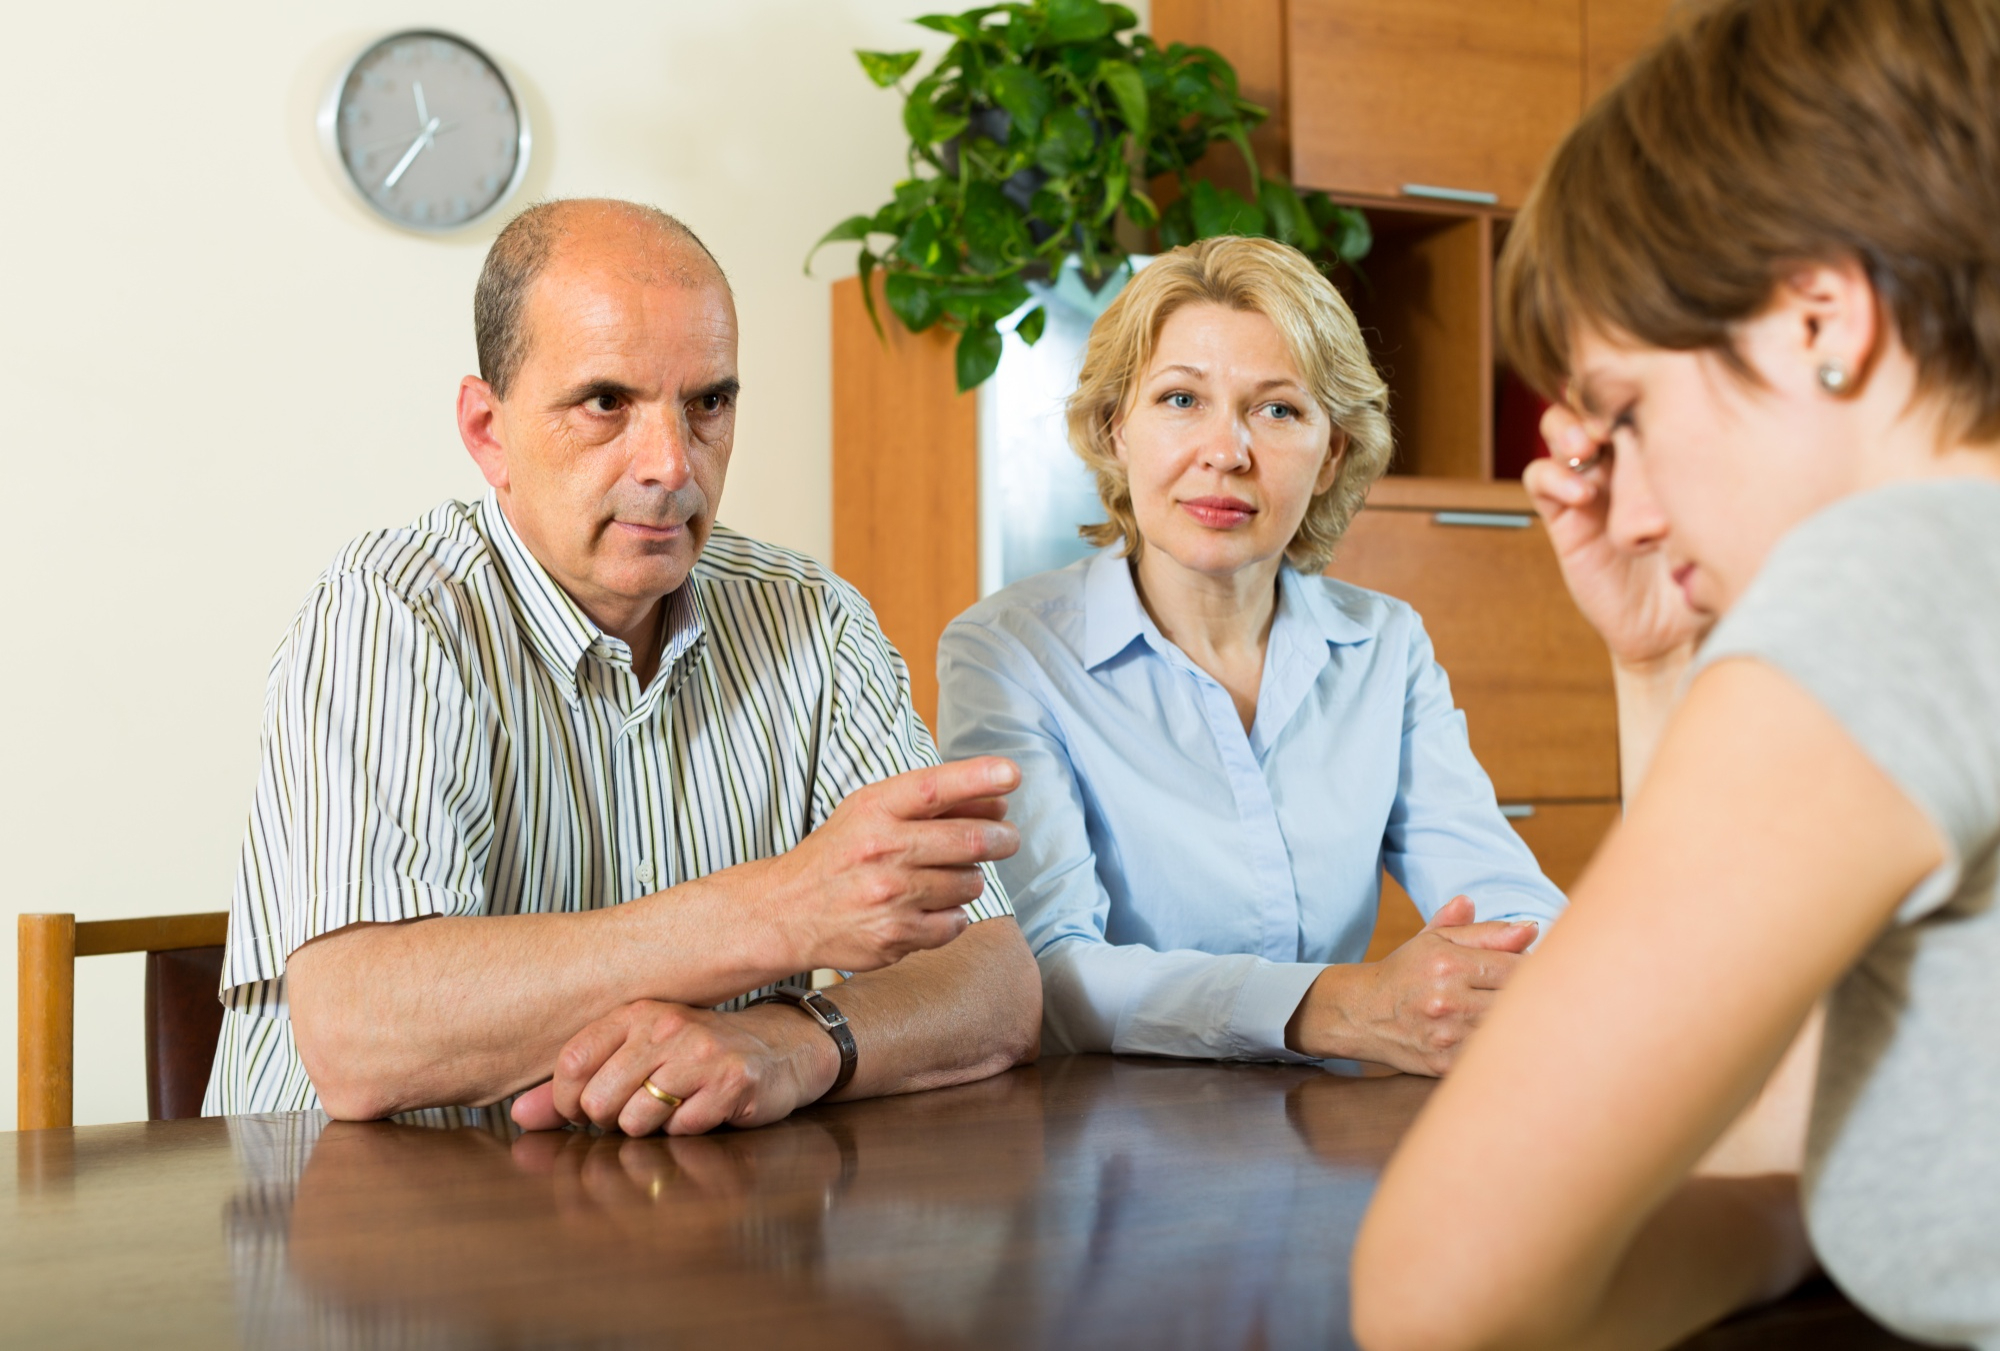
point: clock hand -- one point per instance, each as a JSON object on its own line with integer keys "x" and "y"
{"x": 423, "y": 113}
{"x": 410, "y": 155}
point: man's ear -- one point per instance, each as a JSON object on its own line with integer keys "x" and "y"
{"x": 1336, "y": 451}
{"x": 478, "y": 418}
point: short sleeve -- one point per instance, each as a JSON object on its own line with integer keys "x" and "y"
{"x": 874, "y": 732}
{"x": 1885, "y": 608}
{"x": 373, "y": 791}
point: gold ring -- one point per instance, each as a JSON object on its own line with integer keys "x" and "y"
{"x": 669, "y": 1099}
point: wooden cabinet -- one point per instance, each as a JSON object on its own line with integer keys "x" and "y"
{"x": 1469, "y": 95}
{"x": 1533, "y": 678}
{"x": 1615, "y": 31}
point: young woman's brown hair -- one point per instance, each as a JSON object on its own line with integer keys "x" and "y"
{"x": 1802, "y": 132}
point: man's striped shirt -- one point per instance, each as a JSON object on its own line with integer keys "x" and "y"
{"x": 447, "y": 733}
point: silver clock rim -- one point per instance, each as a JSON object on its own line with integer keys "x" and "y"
{"x": 329, "y": 130}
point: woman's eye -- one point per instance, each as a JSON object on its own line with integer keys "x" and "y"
{"x": 1180, "y": 398}
{"x": 1280, "y": 411}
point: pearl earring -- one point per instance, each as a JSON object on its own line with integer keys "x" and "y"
{"x": 1835, "y": 378}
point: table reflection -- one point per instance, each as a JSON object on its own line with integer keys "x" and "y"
{"x": 1085, "y": 1202}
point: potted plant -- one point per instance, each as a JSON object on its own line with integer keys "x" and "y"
{"x": 1038, "y": 136}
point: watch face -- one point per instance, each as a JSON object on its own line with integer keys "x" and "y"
{"x": 429, "y": 131}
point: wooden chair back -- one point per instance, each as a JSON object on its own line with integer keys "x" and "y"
{"x": 183, "y": 1015}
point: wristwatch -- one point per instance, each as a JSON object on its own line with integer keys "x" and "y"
{"x": 827, "y": 1016}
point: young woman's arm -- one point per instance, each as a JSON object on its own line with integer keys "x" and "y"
{"x": 1540, "y": 1200}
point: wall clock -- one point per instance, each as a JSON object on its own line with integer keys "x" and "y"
{"x": 427, "y": 129}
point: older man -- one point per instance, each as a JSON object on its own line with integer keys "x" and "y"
{"x": 556, "y": 786}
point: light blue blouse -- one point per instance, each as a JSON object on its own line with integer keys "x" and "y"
{"x": 1182, "y": 883}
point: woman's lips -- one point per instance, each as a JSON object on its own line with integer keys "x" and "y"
{"x": 1219, "y": 513}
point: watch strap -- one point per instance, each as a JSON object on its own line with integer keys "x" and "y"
{"x": 828, "y": 1015}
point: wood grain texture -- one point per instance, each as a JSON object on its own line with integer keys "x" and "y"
{"x": 1438, "y": 92}
{"x": 161, "y": 933}
{"x": 1083, "y": 1202}
{"x": 1531, "y": 675}
{"x": 905, "y": 482}
{"x": 1425, "y": 308}
{"x": 1615, "y": 31}
{"x": 46, "y": 1032}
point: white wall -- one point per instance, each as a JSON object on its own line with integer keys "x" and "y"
{"x": 214, "y": 370}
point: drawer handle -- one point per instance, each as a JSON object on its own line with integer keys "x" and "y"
{"x": 1437, "y": 194}
{"x": 1490, "y": 520}
{"x": 1517, "y": 811}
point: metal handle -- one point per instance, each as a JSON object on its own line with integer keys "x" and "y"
{"x": 1490, "y": 520}
{"x": 1451, "y": 194}
{"x": 1517, "y": 811}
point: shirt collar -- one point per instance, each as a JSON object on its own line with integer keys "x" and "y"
{"x": 1114, "y": 616}
{"x": 558, "y": 629}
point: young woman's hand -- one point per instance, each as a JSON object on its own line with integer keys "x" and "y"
{"x": 1615, "y": 570}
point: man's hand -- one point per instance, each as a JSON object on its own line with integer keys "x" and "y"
{"x": 887, "y": 873}
{"x": 747, "y": 1069}
{"x": 1623, "y": 585}
{"x": 1413, "y": 1009}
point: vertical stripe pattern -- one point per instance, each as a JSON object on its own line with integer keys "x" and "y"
{"x": 446, "y": 733}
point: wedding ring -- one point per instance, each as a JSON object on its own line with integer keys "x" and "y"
{"x": 669, "y": 1099}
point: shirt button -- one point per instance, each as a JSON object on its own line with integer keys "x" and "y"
{"x": 644, "y": 872}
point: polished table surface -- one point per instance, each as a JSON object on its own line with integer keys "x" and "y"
{"x": 1087, "y": 1201}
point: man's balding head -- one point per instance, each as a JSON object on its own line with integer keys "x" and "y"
{"x": 644, "y": 237}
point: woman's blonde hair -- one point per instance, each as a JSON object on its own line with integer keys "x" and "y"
{"x": 1760, "y": 135}
{"x": 1259, "y": 276}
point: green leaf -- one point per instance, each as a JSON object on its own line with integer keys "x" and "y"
{"x": 1354, "y": 237}
{"x": 1239, "y": 136}
{"x": 1223, "y": 211}
{"x": 1077, "y": 21}
{"x": 1066, "y": 142}
{"x": 1029, "y": 330}
{"x": 917, "y": 301}
{"x": 854, "y": 227}
{"x": 957, "y": 25}
{"x": 1024, "y": 94}
{"x": 865, "y": 270}
{"x": 885, "y": 68}
{"x": 1129, "y": 89}
{"x": 1289, "y": 220}
{"x": 978, "y": 355}
{"x": 1141, "y": 208}
{"x": 1115, "y": 183}
{"x": 1122, "y": 18}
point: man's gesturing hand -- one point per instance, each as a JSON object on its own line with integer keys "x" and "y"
{"x": 887, "y": 873}
{"x": 1413, "y": 1009}
{"x": 747, "y": 1069}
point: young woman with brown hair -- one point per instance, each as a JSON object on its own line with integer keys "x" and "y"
{"x": 1763, "y": 277}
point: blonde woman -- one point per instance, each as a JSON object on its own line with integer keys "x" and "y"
{"x": 1220, "y": 748}
{"x": 1764, "y": 269}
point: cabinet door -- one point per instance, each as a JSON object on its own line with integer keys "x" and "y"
{"x": 1533, "y": 678}
{"x": 1614, "y": 32}
{"x": 1443, "y": 93}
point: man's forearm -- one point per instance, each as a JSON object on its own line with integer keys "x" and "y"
{"x": 948, "y": 1016}
{"x": 467, "y": 1010}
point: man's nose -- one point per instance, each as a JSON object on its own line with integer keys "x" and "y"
{"x": 660, "y": 451}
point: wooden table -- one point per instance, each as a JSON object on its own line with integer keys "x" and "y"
{"x": 1082, "y": 1202}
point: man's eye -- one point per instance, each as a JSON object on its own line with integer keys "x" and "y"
{"x": 712, "y": 403}
{"x": 602, "y": 403}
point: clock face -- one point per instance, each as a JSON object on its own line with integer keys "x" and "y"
{"x": 428, "y": 130}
